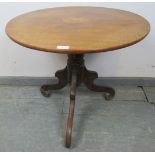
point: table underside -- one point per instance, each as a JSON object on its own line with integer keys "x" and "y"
{"x": 75, "y": 73}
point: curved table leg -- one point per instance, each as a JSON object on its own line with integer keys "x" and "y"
{"x": 75, "y": 73}
{"x": 89, "y": 77}
{"x": 71, "y": 109}
{"x": 62, "y": 76}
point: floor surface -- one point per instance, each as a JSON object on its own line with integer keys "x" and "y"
{"x": 30, "y": 122}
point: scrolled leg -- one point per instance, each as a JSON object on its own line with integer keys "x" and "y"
{"x": 71, "y": 109}
{"x": 62, "y": 76}
{"x": 89, "y": 77}
{"x": 75, "y": 73}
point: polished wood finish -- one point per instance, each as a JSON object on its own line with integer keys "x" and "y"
{"x": 75, "y": 30}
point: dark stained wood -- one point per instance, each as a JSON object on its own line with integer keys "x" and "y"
{"x": 75, "y": 73}
{"x": 75, "y": 30}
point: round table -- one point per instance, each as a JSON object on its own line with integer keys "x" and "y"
{"x": 76, "y": 31}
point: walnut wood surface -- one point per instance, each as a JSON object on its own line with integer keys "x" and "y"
{"x": 77, "y": 30}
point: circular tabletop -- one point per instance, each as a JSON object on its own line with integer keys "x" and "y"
{"x": 77, "y": 30}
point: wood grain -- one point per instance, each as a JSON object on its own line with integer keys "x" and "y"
{"x": 77, "y": 30}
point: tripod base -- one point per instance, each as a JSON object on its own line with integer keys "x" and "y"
{"x": 75, "y": 73}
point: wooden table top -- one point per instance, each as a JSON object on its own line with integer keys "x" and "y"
{"x": 77, "y": 30}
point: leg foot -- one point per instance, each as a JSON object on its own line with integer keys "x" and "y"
{"x": 109, "y": 96}
{"x": 45, "y": 91}
{"x": 71, "y": 110}
{"x": 88, "y": 80}
{"x": 62, "y": 76}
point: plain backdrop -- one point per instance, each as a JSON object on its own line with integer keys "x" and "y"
{"x": 134, "y": 61}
